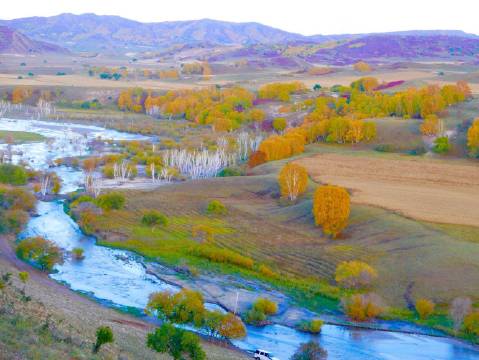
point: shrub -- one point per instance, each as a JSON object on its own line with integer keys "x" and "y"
{"x": 279, "y": 124}
{"x": 223, "y": 256}
{"x": 255, "y": 317}
{"x": 266, "y": 306}
{"x": 256, "y": 158}
{"x": 153, "y": 218}
{"x": 424, "y": 308}
{"x": 266, "y": 271}
{"x": 104, "y": 335}
{"x": 175, "y": 342}
{"x": 78, "y": 253}
{"x": 293, "y": 180}
{"x": 314, "y": 326}
{"x": 12, "y": 174}
{"x": 441, "y": 145}
{"x": 362, "y": 307}
{"x": 226, "y": 172}
{"x": 355, "y": 274}
{"x": 331, "y": 209}
{"x": 310, "y": 351}
{"x": 216, "y": 207}
{"x": 40, "y": 251}
{"x": 111, "y": 201}
{"x": 471, "y": 323}
{"x": 386, "y": 148}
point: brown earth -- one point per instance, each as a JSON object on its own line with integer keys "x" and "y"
{"x": 425, "y": 189}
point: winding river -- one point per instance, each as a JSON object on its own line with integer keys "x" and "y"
{"x": 118, "y": 278}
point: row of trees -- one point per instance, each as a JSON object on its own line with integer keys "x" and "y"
{"x": 281, "y": 91}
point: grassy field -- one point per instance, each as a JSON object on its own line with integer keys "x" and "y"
{"x": 20, "y": 137}
{"x": 432, "y": 260}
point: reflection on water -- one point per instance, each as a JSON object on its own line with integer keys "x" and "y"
{"x": 119, "y": 278}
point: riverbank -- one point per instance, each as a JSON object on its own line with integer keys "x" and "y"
{"x": 78, "y": 316}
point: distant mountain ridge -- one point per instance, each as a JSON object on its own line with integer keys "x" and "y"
{"x": 90, "y": 32}
{"x": 14, "y": 42}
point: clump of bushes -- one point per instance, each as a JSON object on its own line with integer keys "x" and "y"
{"x": 12, "y": 174}
{"x": 256, "y": 158}
{"x": 260, "y": 310}
{"x": 216, "y": 207}
{"x": 111, "y": 201}
{"x": 226, "y": 172}
{"x": 310, "y": 351}
{"x": 154, "y": 218}
{"x": 355, "y": 274}
{"x": 224, "y": 256}
{"x": 314, "y": 326}
{"x": 362, "y": 307}
{"x": 40, "y": 251}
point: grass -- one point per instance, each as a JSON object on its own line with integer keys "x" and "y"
{"x": 20, "y": 137}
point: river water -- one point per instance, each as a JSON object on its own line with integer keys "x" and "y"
{"x": 118, "y": 278}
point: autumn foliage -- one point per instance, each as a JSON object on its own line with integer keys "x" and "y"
{"x": 293, "y": 180}
{"x": 331, "y": 207}
{"x": 473, "y": 138}
{"x": 281, "y": 91}
{"x": 431, "y": 125}
{"x": 362, "y": 307}
{"x": 424, "y": 308}
{"x": 256, "y": 158}
{"x": 355, "y": 274}
{"x": 362, "y": 66}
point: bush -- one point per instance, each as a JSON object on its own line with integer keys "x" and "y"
{"x": 424, "y": 308}
{"x": 355, "y": 274}
{"x": 279, "y": 124}
{"x": 78, "y": 253}
{"x": 310, "y": 351}
{"x": 386, "y": 148}
{"x": 223, "y": 256}
{"x": 314, "y": 326}
{"x": 176, "y": 342}
{"x": 255, "y": 317}
{"x": 441, "y": 145}
{"x": 13, "y": 221}
{"x": 40, "y": 251}
{"x": 153, "y": 218}
{"x": 216, "y": 207}
{"x": 267, "y": 306}
{"x": 226, "y": 172}
{"x": 362, "y": 307}
{"x": 471, "y": 323}
{"x": 12, "y": 174}
{"x": 104, "y": 335}
{"x": 111, "y": 201}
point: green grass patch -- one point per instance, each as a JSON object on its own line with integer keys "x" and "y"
{"x": 20, "y": 137}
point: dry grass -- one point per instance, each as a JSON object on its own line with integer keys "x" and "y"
{"x": 431, "y": 190}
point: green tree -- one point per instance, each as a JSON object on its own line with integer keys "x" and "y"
{"x": 104, "y": 335}
{"x": 175, "y": 342}
{"x": 12, "y": 174}
{"x": 40, "y": 251}
{"x": 111, "y": 201}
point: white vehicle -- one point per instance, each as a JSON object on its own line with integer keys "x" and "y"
{"x": 264, "y": 355}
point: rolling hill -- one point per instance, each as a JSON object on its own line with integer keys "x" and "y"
{"x": 14, "y": 42}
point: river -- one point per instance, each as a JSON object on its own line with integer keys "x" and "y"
{"x": 118, "y": 278}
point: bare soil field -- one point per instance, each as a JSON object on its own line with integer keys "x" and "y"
{"x": 89, "y": 82}
{"x": 430, "y": 190}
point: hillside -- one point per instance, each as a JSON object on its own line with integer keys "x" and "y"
{"x": 13, "y": 42}
{"x": 93, "y": 32}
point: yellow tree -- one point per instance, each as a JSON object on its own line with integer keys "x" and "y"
{"x": 431, "y": 125}
{"x": 473, "y": 138}
{"x": 362, "y": 66}
{"x": 331, "y": 208}
{"x": 293, "y": 180}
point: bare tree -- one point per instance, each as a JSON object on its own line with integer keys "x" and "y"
{"x": 460, "y": 307}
